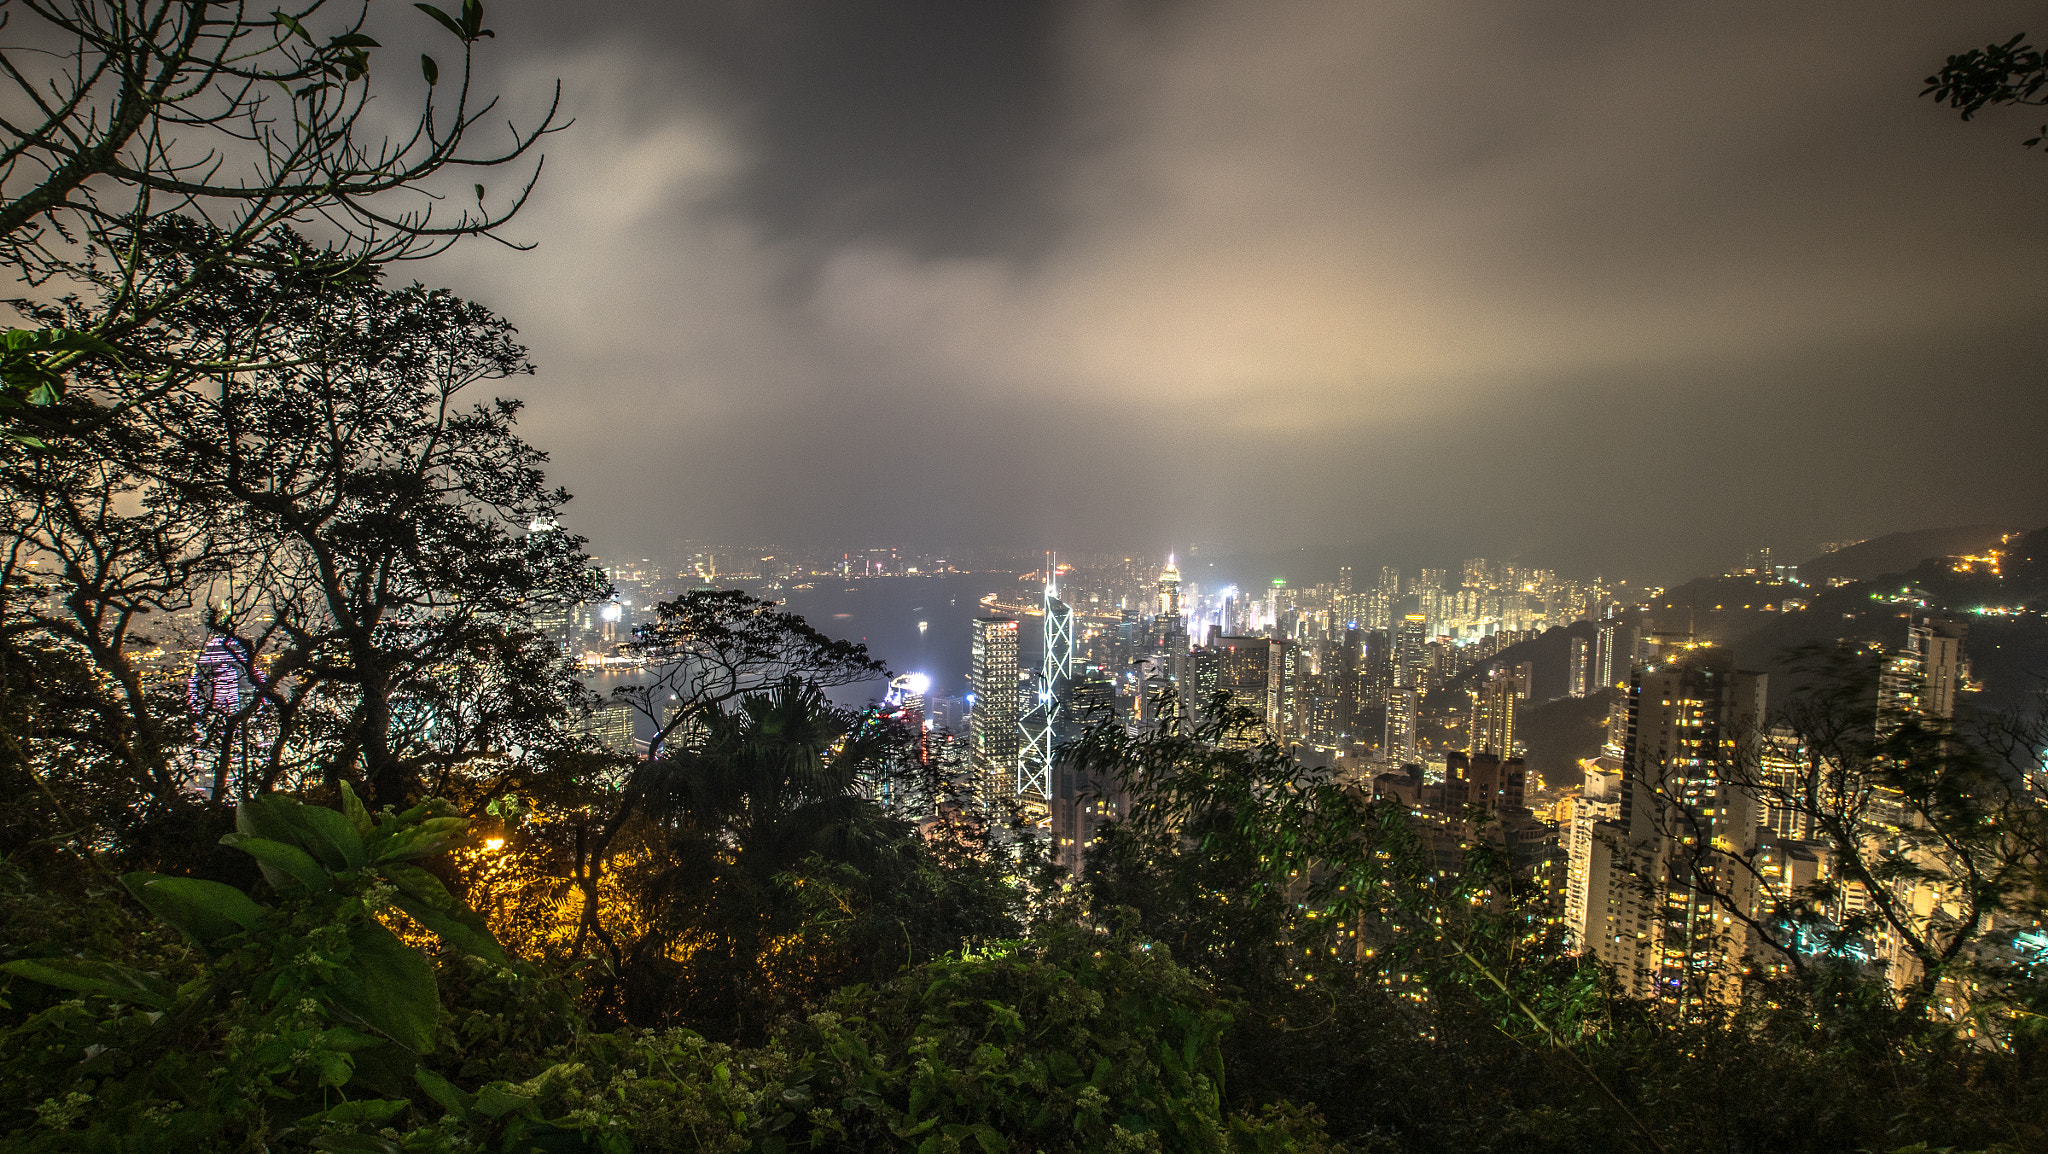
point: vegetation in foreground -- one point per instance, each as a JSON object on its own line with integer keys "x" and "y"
{"x": 371, "y": 888}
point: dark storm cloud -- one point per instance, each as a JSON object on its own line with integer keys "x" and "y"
{"x": 930, "y": 123}
{"x": 1635, "y": 285}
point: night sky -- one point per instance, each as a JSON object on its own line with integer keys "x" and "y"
{"x": 1619, "y": 286}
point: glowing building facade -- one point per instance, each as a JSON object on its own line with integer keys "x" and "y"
{"x": 993, "y": 725}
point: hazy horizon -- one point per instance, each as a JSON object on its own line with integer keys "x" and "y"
{"x": 1606, "y": 287}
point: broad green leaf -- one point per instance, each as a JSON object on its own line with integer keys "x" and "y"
{"x": 282, "y": 865}
{"x": 263, "y": 816}
{"x": 429, "y": 69}
{"x": 460, "y": 928}
{"x": 202, "y": 910}
{"x": 353, "y": 809}
{"x": 499, "y": 1099}
{"x": 329, "y": 836}
{"x": 89, "y": 977}
{"x": 451, "y": 1097}
{"x": 346, "y": 1040}
{"x": 390, "y": 986}
{"x": 421, "y": 840}
{"x": 423, "y": 897}
{"x": 355, "y": 1144}
{"x": 473, "y": 20}
{"x": 325, "y": 834}
{"x": 372, "y": 1110}
{"x": 54, "y": 340}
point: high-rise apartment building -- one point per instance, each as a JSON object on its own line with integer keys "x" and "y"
{"x": 1938, "y": 669}
{"x": 1384, "y": 596}
{"x": 1613, "y": 652}
{"x": 612, "y": 725}
{"x": 1592, "y": 908}
{"x": 1284, "y": 718}
{"x": 1654, "y": 876}
{"x": 1411, "y": 657}
{"x": 1493, "y": 716}
{"x": 1261, "y": 675}
{"x": 993, "y": 724}
{"x": 1784, "y": 771}
{"x": 1401, "y": 746}
{"x": 1579, "y": 668}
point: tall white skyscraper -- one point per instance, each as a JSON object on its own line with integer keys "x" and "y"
{"x": 992, "y": 673}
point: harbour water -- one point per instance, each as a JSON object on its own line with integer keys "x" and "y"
{"x": 912, "y": 624}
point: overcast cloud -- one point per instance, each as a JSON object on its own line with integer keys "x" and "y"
{"x": 1611, "y": 285}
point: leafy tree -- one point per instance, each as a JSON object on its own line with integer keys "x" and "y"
{"x": 709, "y": 647}
{"x": 324, "y": 996}
{"x": 1323, "y": 908}
{"x": 706, "y": 649}
{"x": 132, "y": 112}
{"x": 372, "y": 546}
{"x": 766, "y": 876}
{"x": 2014, "y": 72}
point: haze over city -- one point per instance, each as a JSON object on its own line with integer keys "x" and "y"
{"x": 1523, "y": 279}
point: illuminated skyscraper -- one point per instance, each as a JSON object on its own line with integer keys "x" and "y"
{"x": 1169, "y": 589}
{"x": 1579, "y": 668}
{"x": 1592, "y": 908}
{"x": 1935, "y": 645}
{"x": 1283, "y": 686}
{"x": 992, "y": 726}
{"x": 1683, "y": 830}
{"x": 1613, "y": 651}
{"x": 1042, "y": 722}
{"x": 1244, "y": 668}
{"x": 220, "y": 682}
{"x": 1493, "y": 716}
{"x": 1379, "y": 604}
{"x": 612, "y": 725}
{"x": 1411, "y": 657}
{"x": 1401, "y": 745}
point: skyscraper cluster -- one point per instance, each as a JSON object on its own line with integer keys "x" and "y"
{"x": 1700, "y": 818}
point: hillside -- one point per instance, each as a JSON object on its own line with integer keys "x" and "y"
{"x": 1898, "y": 552}
{"x": 2008, "y": 650}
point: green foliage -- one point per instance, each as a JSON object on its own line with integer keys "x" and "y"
{"x": 32, "y": 368}
{"x": 769, "y": 880}
{"x": 2013, "y": 72}
{"x": 293, "y": 1012}
{"x": 1076, "y": 1041}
